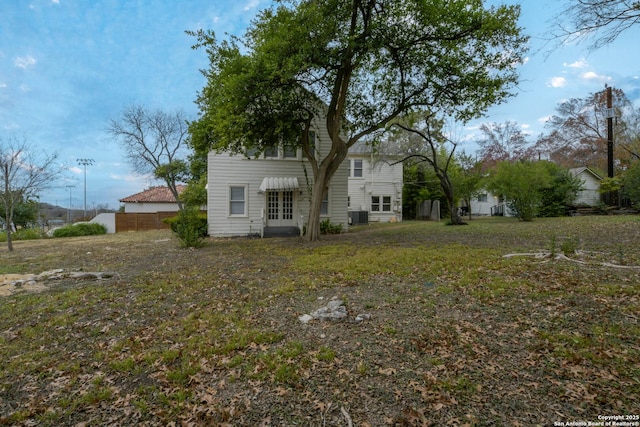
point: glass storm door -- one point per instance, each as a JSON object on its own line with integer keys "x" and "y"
{"x": 280, "y": 208}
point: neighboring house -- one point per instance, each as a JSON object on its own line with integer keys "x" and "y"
{"x": 269, "y": 195}
{"x": 590, "y": 193}
{"x": 485, "y": 204}
{"x": 155, "y": 199}
{"x": 375, "y": 187}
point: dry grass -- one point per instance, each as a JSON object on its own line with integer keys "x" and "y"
{"x": 458, "y": 334}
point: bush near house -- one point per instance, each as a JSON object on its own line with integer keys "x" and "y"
{"x": 190, "y": 225}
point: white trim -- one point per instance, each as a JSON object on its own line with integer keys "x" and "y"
{"x": 245, "y": 188}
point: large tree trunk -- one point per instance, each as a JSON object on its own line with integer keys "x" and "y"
{"x": 321, "y": 180}
{"x": 447, "y": 187}
{"x": 9, "y": 230}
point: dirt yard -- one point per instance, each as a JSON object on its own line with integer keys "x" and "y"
{"x": 496, "y": 323}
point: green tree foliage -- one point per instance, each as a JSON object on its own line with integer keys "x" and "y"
{"x": 361, "y": 63}
{"x": 534, "y": 188}
{"x": 631, "y": 184}
{"x": 427, "y": 143}
{"x": 561, "y": 191}
{"x": 420, "y": 184}
{"x": 521, "y": 184}
{"x": 467, "y": 177}
{"x": 25, "y": 213}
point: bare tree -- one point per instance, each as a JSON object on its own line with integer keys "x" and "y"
{"x": 600, "y": 20}
{"x": 22, "y": 176}
{"x": 578, "y": 132}
{"x": 502, "y": 141}
{"x": 154, "y": 142}
{"x": 427, "y": 144}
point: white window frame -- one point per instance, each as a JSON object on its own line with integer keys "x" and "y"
{"x": 353, "y": 168}
{"x": 381, "y": 205}
{"x": 245, "y": 213}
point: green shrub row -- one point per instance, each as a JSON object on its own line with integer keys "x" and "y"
{"x": 81, "y": 229}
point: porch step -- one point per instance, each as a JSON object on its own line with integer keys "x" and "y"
{"x": 281, "y": 232}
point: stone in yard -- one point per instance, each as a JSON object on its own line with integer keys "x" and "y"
{"x": 305, "y": 318}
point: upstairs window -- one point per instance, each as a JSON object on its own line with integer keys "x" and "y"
{"x": 357, "y": 168}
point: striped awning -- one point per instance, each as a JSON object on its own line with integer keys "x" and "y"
{"x": 279, "y": 184}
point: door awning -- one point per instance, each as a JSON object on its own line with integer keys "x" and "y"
{"x": 279, "y": 184}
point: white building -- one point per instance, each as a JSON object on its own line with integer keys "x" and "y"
{"x": 152, "y": 200}
{"x": 589, "y": 195}
{"x": 270, "y": 195}
{"x": 375, "y": 186}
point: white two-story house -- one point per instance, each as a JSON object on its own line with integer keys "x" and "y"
{"x": 375, "y": 186}
{"x": 269, "y": 195}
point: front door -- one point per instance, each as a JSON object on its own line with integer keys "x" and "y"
{"x": 280, "y": 207}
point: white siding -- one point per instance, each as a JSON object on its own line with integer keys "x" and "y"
{"x": 225, "y": 170}
{"x": 590, "y": 194}
{"x": 379, "y": 179}
{"x": 150, "y": 207}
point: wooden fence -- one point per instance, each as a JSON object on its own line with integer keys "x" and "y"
{"x": 142, "y": 221}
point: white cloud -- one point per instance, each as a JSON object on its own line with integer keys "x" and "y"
{"x": 591, "y": 75}
{"x": 25, "y": 61}
{"x": 525, "y": 126}
{"x": 55, "y": 1}
{"x": 580, "y": 63}
{"x": 544, "y": 119}
{"x": 75, "y": 170}
{"x": 557, "y": 82}
{"x": 252, "y": 4}
{"x": 3, "y": 85}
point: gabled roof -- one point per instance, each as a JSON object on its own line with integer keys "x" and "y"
{"x": 154, "y": 195}
{"x": 580, "y": 170}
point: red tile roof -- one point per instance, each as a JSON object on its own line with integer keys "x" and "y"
{"x": 154, "y": 195}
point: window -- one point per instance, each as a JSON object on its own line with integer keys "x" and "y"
{"x": 375, "y": 203}
{"x": 324, "y": 209}
{"x": 251, "y": 152}
{"x": 386, "y": 204}
{"x": 271, "y": 151}
{"x": 482, "y": 197}
{"x": 380, "y": 203}
{"x": 290, "y": 152}
{"x": 237, "y": 201}
{"x": 313, "y": 143}
{"x": 357, "y": 168}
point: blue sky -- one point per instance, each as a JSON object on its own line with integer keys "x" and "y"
{"x": 68, "y": 66}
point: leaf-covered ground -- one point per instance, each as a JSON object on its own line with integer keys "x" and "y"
{"x": 459, "y": 333}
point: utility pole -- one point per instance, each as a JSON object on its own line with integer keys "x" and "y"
{"x": 69, "y": 211}
{"x": 610, "y": 116}
{"x": 85, "y": 163}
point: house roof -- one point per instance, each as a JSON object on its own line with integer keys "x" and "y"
{"x": 154, "y": 195}
{"x": 580, "y": 170}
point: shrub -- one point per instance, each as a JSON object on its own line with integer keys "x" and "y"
{"x": 23, "y": 234}
{"x": 190, "y": 225}
{"x": 80, "y": 229}
{"x": 326, "y": 227}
